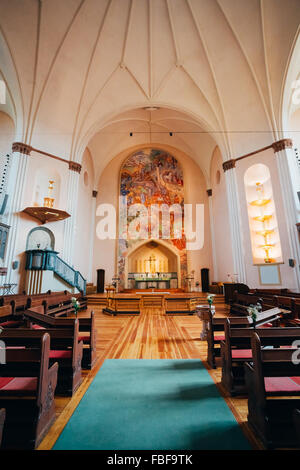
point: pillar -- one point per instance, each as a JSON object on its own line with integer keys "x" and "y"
{"x": 92, "y": 235}
{"x": 70, "y": 226}
{"x": 235, "y": 221}
{"x": 16, "y": 189}
{"x": 282, "y": 149}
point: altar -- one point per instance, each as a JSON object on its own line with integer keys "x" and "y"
{"x": 141, "y": 281}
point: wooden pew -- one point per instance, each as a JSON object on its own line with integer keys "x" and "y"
{"x": 2, "y": 419}
{"x": 59, "y": 305}
{"x": 7, "y": 319}
{"x": 236, "y": 350}
{"x": 87, "y": 331}
{"x": 273, "y": 382}
{"x": 66, "y": 349}
{"x": 272, "y": 292}
{"x": 27, "y": 393}
{"x": 216, "y": 330}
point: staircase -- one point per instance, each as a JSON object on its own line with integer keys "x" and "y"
{"x": 45, "y": 270}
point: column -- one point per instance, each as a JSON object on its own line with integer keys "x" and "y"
{"x": 212, "y": 231}
{"x": 70, "y": 223}
{"x": 282, "y": 148}
{"x": 16, "y": 187}
{"x": 92, "y": 234}
{"x": 235, "y": 221}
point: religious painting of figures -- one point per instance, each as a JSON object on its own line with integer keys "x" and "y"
{"x": 152, "y": 178}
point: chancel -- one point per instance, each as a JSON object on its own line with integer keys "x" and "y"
{"x": 149, "y": 225}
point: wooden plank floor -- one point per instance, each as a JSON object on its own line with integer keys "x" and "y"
{"x": 151, "y": 335}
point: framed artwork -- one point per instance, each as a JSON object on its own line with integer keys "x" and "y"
{"x": 269, "y": 275}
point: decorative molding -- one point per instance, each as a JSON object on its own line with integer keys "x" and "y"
{"x": 282, "y": 145}
{"x": 94, "y": 193}
{"x": 209, "y": 192}
{"x": 74, "y": 166}
{"x": 276, "y": 146}
{"x": 21, "y": 148}
{"x": 229, "y": 165}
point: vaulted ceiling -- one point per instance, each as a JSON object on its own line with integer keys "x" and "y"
{"x": 81, "y": 70}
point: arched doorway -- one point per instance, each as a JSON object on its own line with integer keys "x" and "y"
{"x": 153, "y": 264}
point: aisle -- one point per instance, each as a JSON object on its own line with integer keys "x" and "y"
{"x": 152, "y": 405}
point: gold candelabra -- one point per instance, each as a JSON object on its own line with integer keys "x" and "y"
{"x": 49, "y": 201}
{"x": 266, "y": 232}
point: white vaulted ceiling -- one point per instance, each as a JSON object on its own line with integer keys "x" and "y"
{"x": 79, "y": 69}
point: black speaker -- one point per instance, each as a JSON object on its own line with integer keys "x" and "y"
{"x": 205, "y": 279}
{"x": 100, "y": 281}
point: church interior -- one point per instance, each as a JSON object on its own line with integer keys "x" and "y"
{"x": 150, "y": 225}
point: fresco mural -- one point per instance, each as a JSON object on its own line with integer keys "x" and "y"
{"x": 152, "y": 176}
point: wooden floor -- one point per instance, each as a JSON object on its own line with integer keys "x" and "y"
{"x": 151, "y": 335}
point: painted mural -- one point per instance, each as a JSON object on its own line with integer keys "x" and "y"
{"x": 152, "y": 176}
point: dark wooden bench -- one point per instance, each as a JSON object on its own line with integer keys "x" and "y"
{"x": 66, "y": 349}
{"x": 27, "y": 387}
{"x": 216, "y": 330}
{"x": 2, "y": 419}
{"x": 236, "y": 350}
{"x": 241, "y": 302}
{"x": 59, "y": 305}
{"x": 273, "y": 382}
{"x": 87, "y": 331}
{"x": 8, "y": 319}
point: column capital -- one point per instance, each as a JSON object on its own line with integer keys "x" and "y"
{"x": 209, "y": 192}
{"x": 94, "y": 193}
{"x": 228, "y": 165}
{"x": 74, "y": 166}
{"x": 21, "y": 148}
{"x": 282, "y": 145}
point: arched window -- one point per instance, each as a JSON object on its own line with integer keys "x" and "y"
{"x": 265, "y": 241}
{"x": 40, "y": 238}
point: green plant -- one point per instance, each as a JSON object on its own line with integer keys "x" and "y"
{"x": 76, "y": 305}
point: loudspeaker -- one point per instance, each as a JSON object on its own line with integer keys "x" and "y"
{"x": 100, "y": 281}
{"x": 205, "y": 279}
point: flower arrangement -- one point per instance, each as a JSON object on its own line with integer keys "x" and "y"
{"x": 253, "y": 310}
{"x": 76, "y": 305}
{"x": 210, "y": 299}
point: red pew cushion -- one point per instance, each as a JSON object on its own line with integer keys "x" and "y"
{"x": 282, "y": 384}
{"x": 219, "y": 337}
{"x": 10, "y": 324}
{"x": 84, "y": 338}
{"x": 60, "y": 354}
{"x": 241, "y": 353}
{"x": 18, "y": 383}
{"x": 266, "y": 325}
{"x": 37, "y": 327}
